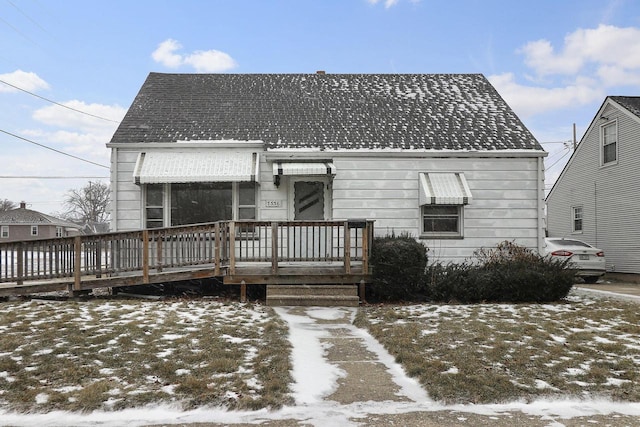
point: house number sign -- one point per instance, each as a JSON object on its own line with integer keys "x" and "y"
{"x": 272, "y": 203}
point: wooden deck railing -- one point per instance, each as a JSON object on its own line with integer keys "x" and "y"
{"x": 224, "y": 245}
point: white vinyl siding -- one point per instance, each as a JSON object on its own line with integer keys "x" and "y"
{"x": 506, "y": 201}
{"x": 608, "y": 195}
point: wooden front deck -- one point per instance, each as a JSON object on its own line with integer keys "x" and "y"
{"x": 240, "y": 252}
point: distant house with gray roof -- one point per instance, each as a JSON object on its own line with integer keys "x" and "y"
{"x": 595, "y": 198}
{"x": 26, "y": 224}
{"x": 439, "y": 156}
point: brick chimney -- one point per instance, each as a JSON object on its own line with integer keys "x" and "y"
{"x": 23, "y": 205}
{"x": 321, "y": 72}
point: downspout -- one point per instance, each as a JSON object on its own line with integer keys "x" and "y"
{"x": 595, "y": 210}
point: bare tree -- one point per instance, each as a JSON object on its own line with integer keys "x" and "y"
{"x": 7, "y": 205}
{"x": 89, "y": 204}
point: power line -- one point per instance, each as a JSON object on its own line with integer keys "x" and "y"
{"x": 556, "y": 162}
{"x": 59, "y": 104}
{"x": 53, "y": 149}
{"x": 26, "y": 16}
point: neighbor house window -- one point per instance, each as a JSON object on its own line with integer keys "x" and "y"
{"x": 441, "y": 220}
{"x": 34, "y": 230}
{"x": 59, "y": 232}
{"x": 194, "y": 203}
{"x": 610, "y": 143}
{"x": 4, "y": 232}
{"x": 577, "y": 218}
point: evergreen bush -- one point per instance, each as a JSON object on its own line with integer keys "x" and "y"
{"x": 507, "y": 273}
{"x": 399, "y": 264}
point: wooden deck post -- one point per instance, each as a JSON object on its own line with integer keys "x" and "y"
{"x": 20, "y": 278}
{"x": 145, "y": 257}
{"x": 274, "y": 248}
{"x": 216, "y": 249}
{"x": 361, "y": 291}
{"x": 243, "y": 291}
{"x": 347, "y": 248}
{"x": 232, "y": 248}
{"x": 77, "y": 267}
{"x": 365, "y": 249}
{"x": 159, "y": 240}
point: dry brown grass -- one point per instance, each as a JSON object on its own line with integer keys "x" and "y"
{"x": 498, "y": 353}
{"x": 115, "y": 354}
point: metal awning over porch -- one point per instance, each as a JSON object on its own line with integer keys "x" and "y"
{"x": 302, "y": 169}
{"x": 444, "y": 188}
{"x": 173, "y": 167}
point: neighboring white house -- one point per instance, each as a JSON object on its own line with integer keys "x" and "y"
{"x": 439, "y": 156}
{"x": 595, "y": 199}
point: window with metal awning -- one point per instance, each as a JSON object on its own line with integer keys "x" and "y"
{"x": 280, "y": 169}
{"x": 184, "y": 167}
{"x": 444, "y": 188}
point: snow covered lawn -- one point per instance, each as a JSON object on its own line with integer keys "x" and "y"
{"x": 113, "y": 362}
{"x": 116, "y": 354}
{"x": 585, "y": 347}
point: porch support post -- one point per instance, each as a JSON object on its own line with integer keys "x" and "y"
{"x": 20, "y": 260}
{"x": 216, "y": 249}
{"x": 145, "y": 257}
{"x": 77, "y": 267}
{"x": 243, "y": 291}
{"x": 347, "y": 248}
{"x": 274, "y": 248}
{"x": 159, "y": 239}
{"x": 361, "y": 291}
{"x": 232, "y": 248}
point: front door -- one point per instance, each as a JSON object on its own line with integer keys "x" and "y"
{"x": 308, "y": 200}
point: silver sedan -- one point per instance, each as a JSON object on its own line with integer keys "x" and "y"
{"x": 588, "y": 261}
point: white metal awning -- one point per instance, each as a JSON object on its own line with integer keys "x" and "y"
{"x": 316, "y": 168}
{"x": 202, "y": 166}
{"x": 302, "y": 169}
{"x": 440, "y": 188}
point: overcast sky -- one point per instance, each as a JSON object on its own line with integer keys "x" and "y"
{"x": 553, "y": 61}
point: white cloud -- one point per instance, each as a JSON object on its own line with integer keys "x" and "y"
{"x": 209, "y": 61}
{"x": 77, "y": 133}
{"x": 24, "y": 80}
{"x": 603, "y": 46}
{"x": 529, "y": 100}
{"x": 55, "y": 115}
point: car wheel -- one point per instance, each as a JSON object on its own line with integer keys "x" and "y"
{"x": 591, "y": 279}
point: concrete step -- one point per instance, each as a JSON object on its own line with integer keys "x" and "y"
{"x": 346, "y": 290}
{"x": 313, "y": 295}
{"x": 313, "y": 300}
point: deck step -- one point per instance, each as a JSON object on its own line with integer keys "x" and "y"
{"x": 313, "y": 295}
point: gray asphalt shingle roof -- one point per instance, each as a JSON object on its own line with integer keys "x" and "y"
{"x": 28, "y": 216}
{"x": 327, "y": 112}
{"x": 631, "y": 103}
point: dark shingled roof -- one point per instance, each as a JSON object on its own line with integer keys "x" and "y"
{"x": 326, "y": 111}
{"x": 27, "y": 216}
{"x": 631, "y": 103}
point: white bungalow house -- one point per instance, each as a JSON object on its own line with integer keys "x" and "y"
{"x": 595, "y": 199}
{"x": 439, "y": 156}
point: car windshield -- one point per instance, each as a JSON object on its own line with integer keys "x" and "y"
{"x": 566, "y": 242}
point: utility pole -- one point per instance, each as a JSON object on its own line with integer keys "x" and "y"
{"x": 574, "y": 137}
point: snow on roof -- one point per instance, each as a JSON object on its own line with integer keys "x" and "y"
{"x": 326, "y": 112}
